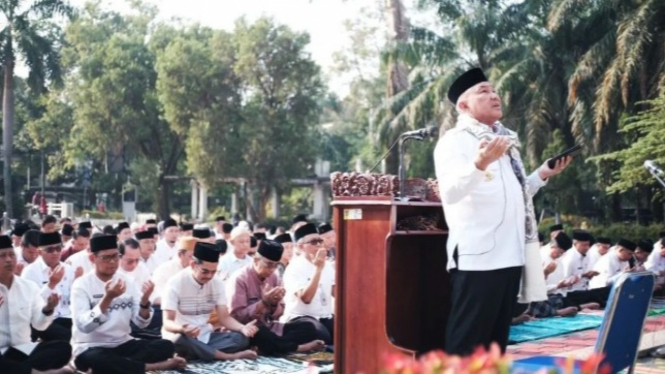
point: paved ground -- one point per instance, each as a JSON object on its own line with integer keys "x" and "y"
{"x": 580, "y": 344}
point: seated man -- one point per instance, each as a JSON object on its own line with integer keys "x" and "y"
{"x": 130, "y": 262}
{"x": 236, "y": 257}
{"x": 103, "y": 304}
{"x": 656, "y": 263}
{"x": 613, "y": 264}
{"x": 642, "y": 252}
{"x": 309, "y": 282}
{"x": 80, "y": 241}
{"x": 149, "y": 259}
{"x": 29, "y": 250}
{"x": 598, "y": 250}
{"x": 22, "y": 305}
{"x": 189, "y": 298}
{"x": 257, "y": 294}
{"x": 53, "y": 276}
{"x": 287, "y": 242}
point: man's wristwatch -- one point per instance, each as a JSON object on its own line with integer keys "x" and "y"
{"x": 145, "y": 306}
{"x": 47, "y": 312}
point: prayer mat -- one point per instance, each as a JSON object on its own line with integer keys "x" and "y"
{"x": 262, "y": 365}
{"x": 548, "y": 327}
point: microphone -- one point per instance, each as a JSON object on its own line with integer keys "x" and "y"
{"x": 652, "y": 167}
{"x": 423, "y": 133}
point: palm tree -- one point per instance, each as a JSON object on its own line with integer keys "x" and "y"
{"x": 30, "y": 33}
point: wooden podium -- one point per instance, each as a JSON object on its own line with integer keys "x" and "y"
{"x": 392, "y": 287}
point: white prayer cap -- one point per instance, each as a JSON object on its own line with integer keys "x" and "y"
{"x": 134, "y": 226}
{"x": 239, "y": 230}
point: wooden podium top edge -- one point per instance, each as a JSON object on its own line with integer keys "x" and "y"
{"x": 380, "y": 200}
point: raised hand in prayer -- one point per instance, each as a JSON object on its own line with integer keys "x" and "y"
{"x": 273, "y": 296}
{"x": 52, "y": 302}
{"x": 55, "y": 276}
{"x": 147, "y": 289}
{"x": 250, "y": 329}
{"x": 488, "y": 152}
{"x": 78, "y": 272}
{"x": 190, "y": 331}
{"x": 116, "y": 289}
{"x": 320, "y": 257}
{"x": 19, "y": 269}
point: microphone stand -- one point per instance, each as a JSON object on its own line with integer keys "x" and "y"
{"x": 658, "y": 178}
{"x": 402, "y": 170}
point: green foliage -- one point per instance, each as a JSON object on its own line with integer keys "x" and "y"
{"x": 645, "y": 133}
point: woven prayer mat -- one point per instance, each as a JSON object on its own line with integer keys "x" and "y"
{"x": 262, "y": 365}
{"x": 549, "y": 327}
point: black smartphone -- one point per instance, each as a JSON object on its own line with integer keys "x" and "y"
{"x": 568, "y": 152}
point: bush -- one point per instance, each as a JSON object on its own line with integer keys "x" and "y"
{"x": 613, "y": 231}
{"x": 105, "y": 215}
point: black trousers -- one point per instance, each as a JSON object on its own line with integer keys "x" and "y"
{"x": 60, "y": 329}
{"x": 482, "y": 308}
{"x": 127, "y": 358}
{"x": 297, "y": 331}
{"x": 45, "y": 356}
{"x": 154, "y": 329}
{"x": 597, "y": 295}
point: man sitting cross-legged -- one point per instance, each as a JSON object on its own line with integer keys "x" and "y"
{"x": 189, "y": 298}
{"x": 256, "y": 293}
{"x": 103, "y": 304}
{"x": 22, "y": 305}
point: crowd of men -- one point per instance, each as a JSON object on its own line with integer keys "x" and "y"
{"x": 581, "y": 270}
{"x": 151, "y": 296}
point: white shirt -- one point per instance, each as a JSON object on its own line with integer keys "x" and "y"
{"x": 22, "y": 307}
{"x": 153, "y": 262}
{"x": 164, "y": 251}
{"x": 229, "y": 264}
{"x": 655, "y": 263}
{"x": 139, "y": 275}
{"x": 192, "y": 302}
{"x": 92, "y": 328}
{"x": 38, "y": 272}
{"x": 162, "y": 275}
{"x": 296, "y": 277}
{"x": 574, "y": 264}
{"x": 485, "y": 210}
{"x": 19, "y": 257}
{"x": 555, "y": 277}
{"x": 593, "y": 256}
{"x": 609, "y": 267}
{"x": 81, "y": 259}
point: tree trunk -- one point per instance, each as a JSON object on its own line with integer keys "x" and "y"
{"x": 8, "y": 134}
{"x": 615, "y": 212}
{"x": 163, "y": 199}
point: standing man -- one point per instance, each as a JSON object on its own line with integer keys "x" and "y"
{"x": 103, "y": 304}
{"x": 487, "y": 199}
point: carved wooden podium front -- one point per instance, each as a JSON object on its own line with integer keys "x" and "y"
{"x": 393, "y": 291}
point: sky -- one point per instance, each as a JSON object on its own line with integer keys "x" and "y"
{"x": 322, "y": 19}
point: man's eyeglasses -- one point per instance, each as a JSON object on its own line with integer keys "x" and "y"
{"x": 314, "y": 242}
{"x": 205, "y": 271}
{"x": 132, "y": 261}
{"x": 52, "y": 249}
{"x": 109, "y": 258}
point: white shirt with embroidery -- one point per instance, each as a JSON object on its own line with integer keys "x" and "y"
{"x": 92, "y": 328}
{"x": 38, "y": 272}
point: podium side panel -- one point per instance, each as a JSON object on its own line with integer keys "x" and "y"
{"x": 360, "y": 303}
